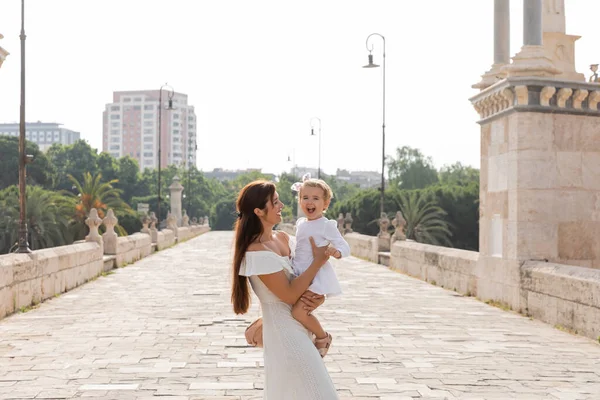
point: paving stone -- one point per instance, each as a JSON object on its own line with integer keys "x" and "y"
{"x": 164, "y": 327}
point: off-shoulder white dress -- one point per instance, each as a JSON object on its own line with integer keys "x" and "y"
{"x": 294, "y": 370}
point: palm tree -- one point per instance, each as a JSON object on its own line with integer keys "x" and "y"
{"x": 93, "y": 193}
{"x": 425, "y": 221}
{"x": 48, "y": 217}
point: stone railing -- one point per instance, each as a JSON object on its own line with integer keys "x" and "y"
{"x": 561, "y": 295}
{"x": 28, "y": 279}
{"x": 449, "y": 268}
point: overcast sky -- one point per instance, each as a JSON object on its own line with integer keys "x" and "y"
{"x": 257, "y": 71}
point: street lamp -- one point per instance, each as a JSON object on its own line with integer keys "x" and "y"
{"x": 23, "y": 158}
{"x": 292, "y": 159}
{"x": 372, "y": 65}
{"x": 160, "y": 107}
{"x": 312, "y": 133}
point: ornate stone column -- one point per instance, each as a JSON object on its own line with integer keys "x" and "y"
{"x": 176, "y": 190}
{"x": 533, "y": 59}
{"x": 501, "y": 44}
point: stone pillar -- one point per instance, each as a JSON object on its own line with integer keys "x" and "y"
{"x": 533, "y": 59}
{"x": 348, "y": 223}
{"x": 176, "y": 191}
{"x": 93, "y": 222}
{"x": 109, "y": 238}
{"x": 540, "y": 180}
{"x": 532, "y": 22}
{"x": 501, "y": 44}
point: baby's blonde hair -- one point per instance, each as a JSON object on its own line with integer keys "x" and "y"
{"x": 318, "y": 183}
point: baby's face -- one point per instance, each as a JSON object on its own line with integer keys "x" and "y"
{"x": 312, "y": 201}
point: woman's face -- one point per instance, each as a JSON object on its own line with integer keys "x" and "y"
{"x": 272, "y": 213}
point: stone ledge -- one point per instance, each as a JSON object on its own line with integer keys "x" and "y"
{"x": 450, "y": 268}
{"x": 529, "y": 94}
{"x": 563, "y": 295}
{"x": 363, "y": 246}
{"x": 577, "y": 284}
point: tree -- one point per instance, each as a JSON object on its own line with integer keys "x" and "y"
{"x": 107, "y": 166}
{"x": 48, "y": 217}
{"x": 411, "y": 169}
{"x": 458, "y": 174}
{"x": 128, "y": 176}
{"x": 222, "y": 216}
{"x": 39, "y": 172}
{"x": 425, "y": 221}
{"x": 75, "y": 159}
{"x": 93, "y": 193}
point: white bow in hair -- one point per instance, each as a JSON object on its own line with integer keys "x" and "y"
{"x": 296, "y": 186}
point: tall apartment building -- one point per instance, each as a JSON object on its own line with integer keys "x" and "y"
{"x": 44, "y": 134}
{"x": 130, "y": 127}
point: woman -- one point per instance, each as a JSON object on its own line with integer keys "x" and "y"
{"x": 294, "y": 369}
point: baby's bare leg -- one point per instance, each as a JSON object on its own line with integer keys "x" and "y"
{"x": 310, "y": 322}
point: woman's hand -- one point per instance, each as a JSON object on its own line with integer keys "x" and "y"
{"x": 312, "y": 300}
{"x": 320, "y": 254}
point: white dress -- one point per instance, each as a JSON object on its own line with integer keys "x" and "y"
{"x": 323, "y": 231}
{"x": 294, "y": 370}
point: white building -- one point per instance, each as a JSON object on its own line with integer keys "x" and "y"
{"x": 44, "y": 134}
{"x": 130, "y": 127}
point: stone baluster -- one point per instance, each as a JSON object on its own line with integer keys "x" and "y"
{"x": 185, "y": 220}
{"x": 384, "y": 235}
{"x": 145, "y": 222}
{"x": 348, "y": 223}
{"x": 398, "y": 222}
{"x": 109, "y": 238}
{"x": 153, "y": 229}
{"x": 340, "y": 223}
{"x": 93, "y": 222}
{"x": 205, "y": 223}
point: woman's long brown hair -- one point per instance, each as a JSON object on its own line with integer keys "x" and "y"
{"x": 248, "y": 228}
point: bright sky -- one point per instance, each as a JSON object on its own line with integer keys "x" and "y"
{"x": 257, "y": 71}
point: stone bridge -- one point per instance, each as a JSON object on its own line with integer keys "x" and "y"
{"x": 163, "y": 326}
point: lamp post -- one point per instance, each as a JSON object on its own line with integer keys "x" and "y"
{"x": 312, "y": 133}
{"x": 23, "y": 159}
{"x": 160, "y": 107}
{"x": 372, "y": 65}
{"x": 292, "y": 159}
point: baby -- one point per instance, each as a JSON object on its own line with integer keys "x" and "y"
{"x": 314, "y": 196}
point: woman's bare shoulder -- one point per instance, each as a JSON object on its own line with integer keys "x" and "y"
{"x": 255, "y": 247}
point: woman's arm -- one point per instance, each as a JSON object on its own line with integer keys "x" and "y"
{"x": 290, "y": 292}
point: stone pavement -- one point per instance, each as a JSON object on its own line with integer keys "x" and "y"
{"x": 164, "y": 327}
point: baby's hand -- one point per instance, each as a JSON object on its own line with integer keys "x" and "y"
{"x": 333, "y": 252}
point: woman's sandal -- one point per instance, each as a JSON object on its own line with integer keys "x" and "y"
{"x": 323, "y": 344}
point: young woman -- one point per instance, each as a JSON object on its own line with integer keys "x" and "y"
{"x": 294, "y": 369}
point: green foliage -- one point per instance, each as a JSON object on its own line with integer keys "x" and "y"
{"x": 425, "y": 221}
{"x": 223, "y": 216}
{"x": 459, "y": 175}
{"x": 76, "y": 160}
{"x": 461, "y": 204}
{"x": 93, "y": 192}
{"x": 48, "y": 216}
{"x": 39, "y": 172}
{"x": 411, "y": 169}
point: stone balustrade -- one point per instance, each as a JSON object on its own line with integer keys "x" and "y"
{"x": 561, "y": 295}
{"x": 28, "y": 279}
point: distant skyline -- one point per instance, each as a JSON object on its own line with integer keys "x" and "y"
{"x": 257, "y": 72}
